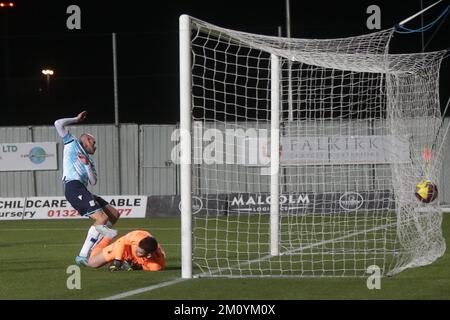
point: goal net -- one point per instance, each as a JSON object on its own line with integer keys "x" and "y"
{"x": 301, "y": 157}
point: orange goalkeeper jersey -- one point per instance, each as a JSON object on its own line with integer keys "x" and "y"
{"x": 125, "y": 249}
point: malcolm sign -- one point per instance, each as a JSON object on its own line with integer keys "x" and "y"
{"x": 312, "y": 203}
{"x": 301, "y": 203}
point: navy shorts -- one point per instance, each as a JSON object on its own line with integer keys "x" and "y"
{"x": 81, "y": 199}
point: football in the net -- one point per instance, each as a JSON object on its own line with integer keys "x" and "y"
{"x": 426, "y": 191}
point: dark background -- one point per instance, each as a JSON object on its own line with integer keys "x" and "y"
{"x": 34, "y": 36}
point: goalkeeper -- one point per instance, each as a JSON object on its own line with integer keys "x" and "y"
{"x": 78, "y": 170}
{"x": 137, "y": 250}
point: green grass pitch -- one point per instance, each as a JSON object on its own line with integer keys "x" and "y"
{"x": 34, "y": 256}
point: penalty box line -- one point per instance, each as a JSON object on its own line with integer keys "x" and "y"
{"x": 130, "y": 293}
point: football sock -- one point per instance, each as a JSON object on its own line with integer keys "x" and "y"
{"x": 91, "y": 239}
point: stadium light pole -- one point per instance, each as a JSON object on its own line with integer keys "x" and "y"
{"x": 116, "y": 111}
{"x": 5, "y": 8}
{"x": 116, "y": 93}
{"x": 48, "y": 73}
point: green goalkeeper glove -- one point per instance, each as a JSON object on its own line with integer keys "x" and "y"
{"x": 116, "y": 265}
{"x": 127, "y": 266}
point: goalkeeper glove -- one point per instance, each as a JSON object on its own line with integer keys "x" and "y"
{"x": 127, "y": 266}
{"x": 115, "y": 265}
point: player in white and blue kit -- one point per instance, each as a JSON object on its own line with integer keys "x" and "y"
{"x": 78, "y": 171}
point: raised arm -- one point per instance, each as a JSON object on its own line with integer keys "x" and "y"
{"x": 61, "y": 124}
{"x": 92, "y": 173}
{"x": 90, "y": 168}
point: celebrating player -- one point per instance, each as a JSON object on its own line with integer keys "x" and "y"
{"x": 78, "y": 170}
{"x": 137, "y": 250}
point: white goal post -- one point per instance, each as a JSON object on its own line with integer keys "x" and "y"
{"x": 185, "y": 145}
{"x": 323, "y": 189}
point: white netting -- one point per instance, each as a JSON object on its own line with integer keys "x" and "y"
{"x": 354, "y": 121}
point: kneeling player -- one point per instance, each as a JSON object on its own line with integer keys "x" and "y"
{"x": 137, "y": 250}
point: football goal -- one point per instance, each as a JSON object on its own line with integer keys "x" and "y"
{"x": 300, "y": 157}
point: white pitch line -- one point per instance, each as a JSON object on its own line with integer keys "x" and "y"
{"x": 179, "y": 280}
{"x": 143, "y": 290}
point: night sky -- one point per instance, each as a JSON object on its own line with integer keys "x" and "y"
{"x": 34, "y": 36}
